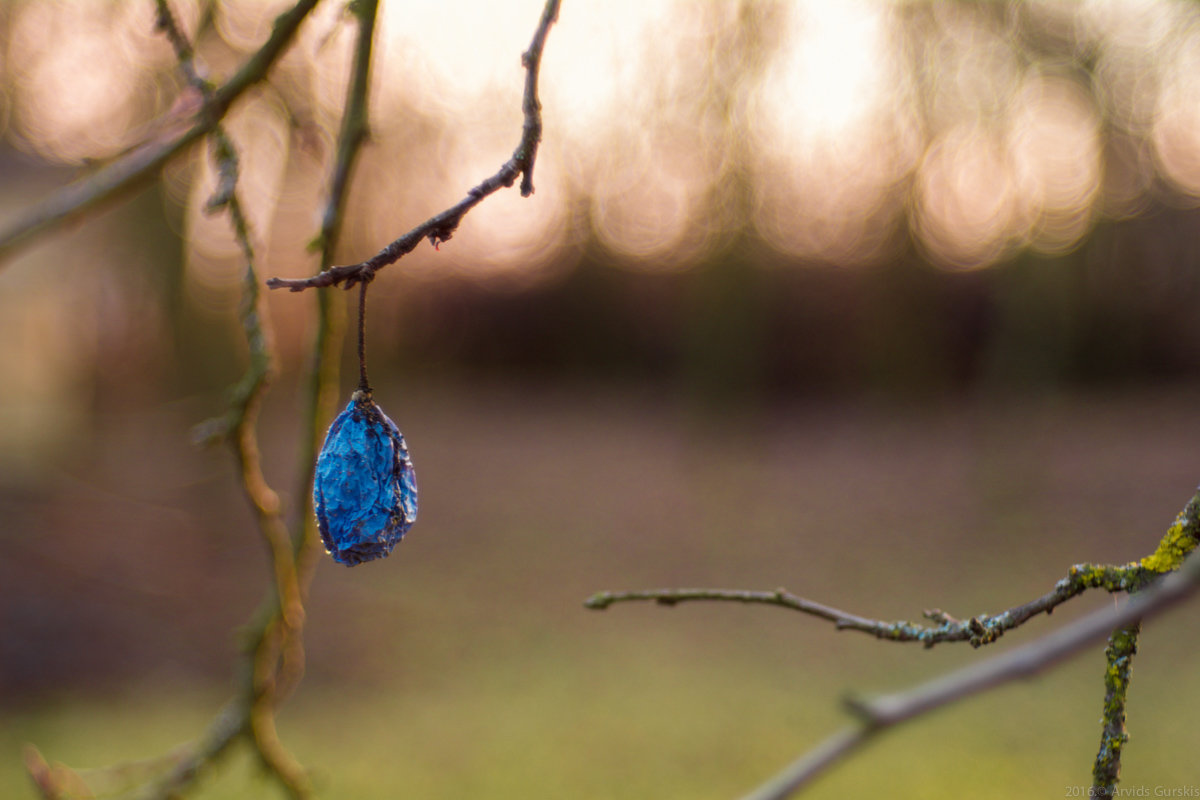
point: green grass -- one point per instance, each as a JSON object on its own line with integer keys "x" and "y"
{"x": 465, "y": 666}
{"x": 645, "y": 723}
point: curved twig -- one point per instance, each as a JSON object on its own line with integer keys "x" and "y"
{"x": 441, "y": 227}
{"x": 887, "y": 711}
{"x": 978, "y": 630}
{"x": 143, "y": 163}
{"x": 238, "y": 427}
{"x": 1170, "y": 575}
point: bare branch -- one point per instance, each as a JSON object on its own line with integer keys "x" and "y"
{"x": 887, "y": 711}
{"x": 1170, "y": 559}
{"x": 281, "y": 628}
{"x": 143, "y": 163}
{"x": 1122, "y": 646}
{"x": 355, "y": 128}
{"x": 238, "y": 424}
{"x": 441, "y": 227}
{"x": 978, "y": 630}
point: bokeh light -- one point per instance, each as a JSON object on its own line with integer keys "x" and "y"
{"x": 831, "y": 131}
{"x": 80, "y": 75}
{"x": 1054, "y": 151}
{"x": 1176, "y": 131}
{"x": 831, "y": 140}
{"x": 966, "y": 204}
{"x": 215, "y": 262}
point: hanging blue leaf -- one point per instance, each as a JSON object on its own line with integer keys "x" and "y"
{"x": 365, "y": 490}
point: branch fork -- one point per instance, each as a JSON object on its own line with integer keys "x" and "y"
{"x": 441, "y": 227}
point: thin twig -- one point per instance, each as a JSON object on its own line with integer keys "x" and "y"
{"x": 143, "y": 163}
{"x": 885, "y": 712}
{"x": 1170, "y": 559}
{"x": 1122, "y": 646}
{"x": 266, "y": 669}
{"x": 321, "y": 394}
{"x": 441, "y": 227}
{"x": 355, "y": 130}
{"x": 531, "y": 135}
{"x": 224, "y": 730}
{"x": 244, "y": 439}
{"x": 978, "y": 630}
{"x": 364, "y": 385}
{"x": 238, "y": 426}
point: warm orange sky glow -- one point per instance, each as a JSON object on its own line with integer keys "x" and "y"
{"x": 832, "y": 130}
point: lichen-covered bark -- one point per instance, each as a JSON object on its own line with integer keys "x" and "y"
{"x": 1122, "y": 646}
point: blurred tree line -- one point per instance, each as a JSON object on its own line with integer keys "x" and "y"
{"x": 1117, "y": 309}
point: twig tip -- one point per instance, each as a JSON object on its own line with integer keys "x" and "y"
{"x": 599, "y": 601}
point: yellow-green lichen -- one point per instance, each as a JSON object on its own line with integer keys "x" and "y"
{"x": 1111, "y": 578}
{"x": 1122, "y": 646}
{"x": 1179, "y": 540}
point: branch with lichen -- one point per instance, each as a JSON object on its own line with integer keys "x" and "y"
{"x": 143, "y": 163}
{"x": 874, "y": 716}
{"x": 1122, "y": 646}
{"x": 441, "y": 227}
{"x": 1156, "y": 582}
{"x": 978, "y": 630}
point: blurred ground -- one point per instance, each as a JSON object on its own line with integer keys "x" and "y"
{"x": 465, "y": 665}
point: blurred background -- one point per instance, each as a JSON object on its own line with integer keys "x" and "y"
{"x": 892, "y": 304}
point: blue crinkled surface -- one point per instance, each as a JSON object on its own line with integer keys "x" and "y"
{"x": 365, "y": 490}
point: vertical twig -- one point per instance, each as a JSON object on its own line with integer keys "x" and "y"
{"x": 531, "y": 105}
{"x": 323, "y": 372}
{"x": 1122, "y": 646}
{"x": 889, "y": 711}
{"x": 281, "y": 630}
{"x": 364, "y": 385}
{"x": 239, "y": 423}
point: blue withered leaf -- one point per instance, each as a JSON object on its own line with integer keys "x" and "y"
{"x": 365, "y": 490}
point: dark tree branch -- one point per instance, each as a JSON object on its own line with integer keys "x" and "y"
{"x": 441, "y": 227}
{"x": 1168, "y": 572}
{"x": 887, "y": 711}
{"x": 531, "y": 136}
{"x": 1122, "y": 646}
{"x": 978, "y": 630}
{"x": 143, "y": 163}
